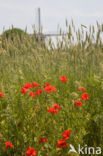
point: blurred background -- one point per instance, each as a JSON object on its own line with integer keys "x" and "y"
{"x": 22, "y": 13}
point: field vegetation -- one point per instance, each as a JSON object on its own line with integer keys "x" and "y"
{"x": 30, "y": 122}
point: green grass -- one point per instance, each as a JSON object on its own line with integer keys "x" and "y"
{"x": 24, "y": 119}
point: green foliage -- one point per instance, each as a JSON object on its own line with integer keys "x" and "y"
{"x": 11, "y": 33}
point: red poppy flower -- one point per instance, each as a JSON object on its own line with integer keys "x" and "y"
{"x": 49, "y": 89}
{"x": 27, "y": 85}
{"x": 35, "y": 84}
{"x": 46, "y": 84}
{"x": 78, "y": 103}
{"x": 52, "y": 110}
{"x": 82, "y": 89}
{"x": 53, "y": 89}
{"x": 66, "y": 134}
{"x": 1, "y": 95}
{"x": 56, "y": 106}
{"x": 31, "y": 152}
{"x": 85, "y": 96}
{"x": 38, "y": 92}
{"x": 42, "y": 140}
{"x": 32, "y": 94}
{"x": 63, "y": 78}
{"x": 24, "y": 90}
{"x": 62, "y": 143}
{"x": 9, "y": 144}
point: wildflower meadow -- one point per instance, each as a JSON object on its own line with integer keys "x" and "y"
{"x": 52, "y": 97}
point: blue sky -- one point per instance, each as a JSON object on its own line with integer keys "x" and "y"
{"x": 21, "y": 13}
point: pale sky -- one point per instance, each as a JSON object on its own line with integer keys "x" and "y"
{"x": 21, "y": 13}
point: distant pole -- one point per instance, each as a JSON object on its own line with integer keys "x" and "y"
{"x": 39, "y": 20}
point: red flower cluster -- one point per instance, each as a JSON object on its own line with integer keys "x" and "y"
{"x": 85, "y": 96}
{"x": 82, "y": 89}
{"x": 46, "y": 84}
{"x": 56, "y": 106}
{"x": 54, "y": 109}
{"x": 24, "y": 90}
{"x": 42, "y": 140}
{"x": 9, "y": 144}
{"x": 1, "y": 95}
{"x": 38, "y": 92}
{"x": 62, "y": 143}
{"x": 78, "y": 103}
{"x": 32, "y": 94}
{"x": 27, "y": 86}
{"x": 63, "y": 79}
{"x": 31, "y": 152}
{"x": 66, "y": 134}
{"x": 49, "y": 89}
{"x": 35, "y": 84}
